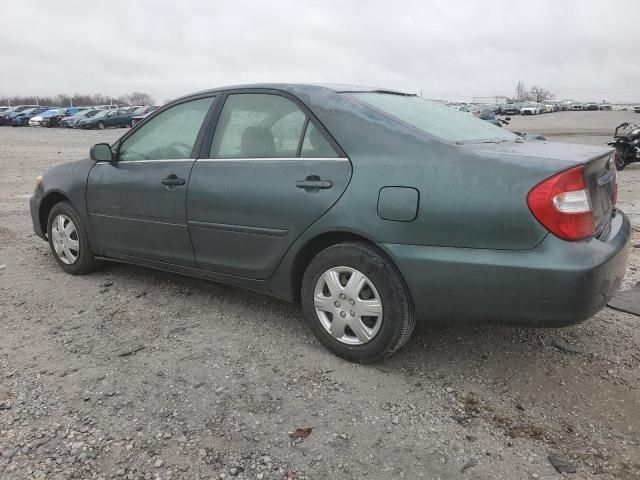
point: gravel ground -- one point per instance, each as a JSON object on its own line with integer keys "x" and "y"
{"x": 132, "y": 373}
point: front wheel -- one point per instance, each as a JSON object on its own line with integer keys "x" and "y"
{"x": 100, "y": 126}
{"x": 68, "y": 240}
{"x": 356, "y": 304}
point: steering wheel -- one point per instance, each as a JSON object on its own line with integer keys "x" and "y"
{"x": 179, "y": 147}
{"x": 137, "y": 156}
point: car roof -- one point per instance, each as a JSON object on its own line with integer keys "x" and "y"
{"x": 302, "y": 88}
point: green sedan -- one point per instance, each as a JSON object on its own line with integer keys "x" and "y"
{"x": 374, "y": 208}
{"x": 107, "y": 118}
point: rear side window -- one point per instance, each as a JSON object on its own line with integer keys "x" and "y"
{"x": 434, "y": 118}
{"x": 266, "y": 126}
{"x": 169, "y": 135}
{"x": 315, "y": 145}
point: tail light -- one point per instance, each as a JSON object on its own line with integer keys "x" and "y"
{"x": 562, "y": 204}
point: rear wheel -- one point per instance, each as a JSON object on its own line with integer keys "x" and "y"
{"x": 620, "y": 163}
{"x": 356, "y": 303}
{"x": 69, "y": 241}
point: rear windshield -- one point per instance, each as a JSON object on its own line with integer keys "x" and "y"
{"x": 434, "y": 118}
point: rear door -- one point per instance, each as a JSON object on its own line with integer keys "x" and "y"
{"x": 271, "y": 171}
{"x": 137, "y": 204}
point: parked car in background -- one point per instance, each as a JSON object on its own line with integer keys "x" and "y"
{"x": 636, "y": 109}
{"x": 604, "y": 106}
{"x": 51, "y": 117}
{"x": 13, "y": 111}
{"x": 591, "y": 106}
{"x": 489, "y": 106}
{"x": 510, "y": 109}
{"x": 21, "y": 119}
{"x": 267, "y": 188}
{"x": 577, "y": 106}
{"x": 55, "y": 118}
{"x": 107, "y": 118}
{"x": 3, "y": 109}
{"x": 531, "y": 108}
{"x": 72, "y": 120}
{"x": 142, "y": 113}
{"x": 548, "y": 107}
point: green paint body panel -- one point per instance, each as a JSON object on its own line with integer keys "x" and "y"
{"x": 453, "y": 219}
{"x": 261, "y": 197}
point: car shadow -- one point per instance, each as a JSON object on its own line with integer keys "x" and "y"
{"x": 457, "y": 349}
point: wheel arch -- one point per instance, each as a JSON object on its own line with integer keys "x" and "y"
{"x": 46, "y": 204}
{"x": 316, "y": 244}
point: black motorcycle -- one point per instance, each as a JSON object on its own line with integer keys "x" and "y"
{"x": 626, "y": 141}
{"x": 489, "y": 116}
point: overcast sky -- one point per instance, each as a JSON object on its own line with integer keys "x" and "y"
{"x": 583, "y": 50}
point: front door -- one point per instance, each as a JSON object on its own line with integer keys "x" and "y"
{"x": 137, "y": 204}
{"x": 270, "y": 173}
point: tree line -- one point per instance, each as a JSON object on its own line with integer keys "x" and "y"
{"x": 81, "y": 100}
{"x": 534, "y": 94}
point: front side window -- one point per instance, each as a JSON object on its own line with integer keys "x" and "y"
{"x": 169, "y": 135}
{"x": 434, "y": 118}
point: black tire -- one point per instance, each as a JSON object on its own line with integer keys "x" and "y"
{"x": 398, "y": 318}
{"x": 85, "y": 261}
{"x": 620, "y": 161}
{"x": 100, "y": 126}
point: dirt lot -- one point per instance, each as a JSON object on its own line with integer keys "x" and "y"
{"x": 133, "y": 373}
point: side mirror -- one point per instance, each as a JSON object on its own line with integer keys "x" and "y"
{"x": 101, "y": 152}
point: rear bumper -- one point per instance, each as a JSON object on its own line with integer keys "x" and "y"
{"x": 558, "y": 283}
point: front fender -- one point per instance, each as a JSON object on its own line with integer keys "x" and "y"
{"x": 68, "y": 180}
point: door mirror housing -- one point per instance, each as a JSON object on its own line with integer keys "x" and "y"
{"x": 101, "y": 152}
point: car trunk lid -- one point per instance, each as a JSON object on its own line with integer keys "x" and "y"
{"x": 551, "y": 158}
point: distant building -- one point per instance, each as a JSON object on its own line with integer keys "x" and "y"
{"x": 498, "y": 100}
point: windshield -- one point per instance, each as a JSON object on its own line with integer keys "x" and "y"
{"x": 102, "y": 113}
{"x": 434, "y": 118}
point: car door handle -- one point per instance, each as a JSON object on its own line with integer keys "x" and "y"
{"x": 172, "y": 181}
{"x": 313, "y": 183}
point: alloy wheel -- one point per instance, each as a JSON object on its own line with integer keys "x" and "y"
{"x": 348, "y": 305}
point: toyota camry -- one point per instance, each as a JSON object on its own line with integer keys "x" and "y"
{"x": 374, "y": 208}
